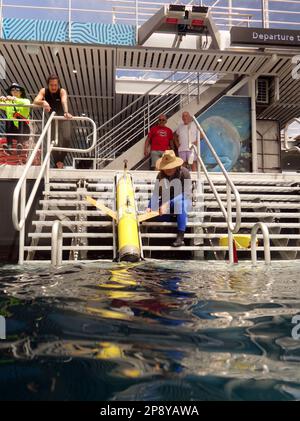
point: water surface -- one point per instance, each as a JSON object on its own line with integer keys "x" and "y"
{"x": 150, "y": 331}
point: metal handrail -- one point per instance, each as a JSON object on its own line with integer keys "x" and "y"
{"x": 266, "y": 236}
{"x": 169, "y": 89}
{"x": 56, "y": 243}
{"x": 117, "y": 140}
{"x": 136, "y": 101}
{"x": 19, "y": 225}
{"x": 234, "y": 228}
{"x": 150, "y": 110}
{"x": 137, "y": 12}
{"x": 25, "y": 208}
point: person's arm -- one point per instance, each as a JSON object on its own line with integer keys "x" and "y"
{"x": 147, "y": 146}
{"x": 64, "y": 103}
{"x": 40, "y": 101}
{"x": 176, "y": 140}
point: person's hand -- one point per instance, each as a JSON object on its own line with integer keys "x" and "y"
{"x": 148, "y": 210}
{"x": 2, "y": 99}
{"x": 163, "y": 209}
{"x": 10, "y": 98}
{"x": 146, "y": 153}
{"x": 68, "y": 116}
{"x": 46, "y": 107}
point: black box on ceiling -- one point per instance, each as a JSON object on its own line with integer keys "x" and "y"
{"x": 177, "y": 8}
{"x": 199, "y": 9}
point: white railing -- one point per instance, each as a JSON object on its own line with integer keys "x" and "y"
{"x": 123, "y": 129}
{"x": 136, "y": 12}
{"x": 21, "y": 207}
{"x": 266, "y": 237}
{"x": 233, "y": 227}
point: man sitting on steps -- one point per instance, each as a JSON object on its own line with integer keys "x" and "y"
{"x": 172, "y": 193}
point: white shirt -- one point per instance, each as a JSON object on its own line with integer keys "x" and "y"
{"x": 187, "y": 135}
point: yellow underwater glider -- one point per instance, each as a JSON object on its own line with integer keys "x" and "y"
{"x": 126, "y": 218}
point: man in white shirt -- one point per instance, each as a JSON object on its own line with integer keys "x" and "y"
{"x": 186, "y": 135}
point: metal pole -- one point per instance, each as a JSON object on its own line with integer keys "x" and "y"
{"x": 56, "y": 244}
{"x": 137, "y": 21}
{"x": 47, "y": 174}
{"x": 70, "y": 19}
{"x": 148, "y": 114}
{"x": 265, "y": 13}
{"x": 1, "y": 19}
{"x": 265, "y": 231}
{"x": 229, "y": 216}
{"x": 230, "y": 14}
{"x": 198, "y": 88}
{"x": 22, "y": 217}
{"x": 252, "y": 84}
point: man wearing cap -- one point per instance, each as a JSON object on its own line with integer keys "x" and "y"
{"x": 159, "y": 139}
{"x": 17, "y": 124}
{"x": 172, "y": 193}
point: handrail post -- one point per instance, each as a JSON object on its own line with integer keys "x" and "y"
{"x": 265, "y": 231}
{"x": 229, "y": 218}
{"x": 48, "y": 143}
{"x": 22, "y": 218}
{"x": 56, "y": 244}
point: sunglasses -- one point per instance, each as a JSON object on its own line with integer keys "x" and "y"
{"x": 16, "y": 89}
{"x": 162, "y": 119}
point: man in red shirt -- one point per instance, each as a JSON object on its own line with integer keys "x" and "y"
{"x": 159, "y": 139}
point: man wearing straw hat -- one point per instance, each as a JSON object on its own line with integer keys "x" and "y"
{"x": 172, "y": 193}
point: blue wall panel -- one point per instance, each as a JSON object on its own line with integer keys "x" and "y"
{"x": 58, "y": 31}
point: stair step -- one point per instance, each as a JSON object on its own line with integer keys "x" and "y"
{"x": 76, "y": 194}
{"x": 241, "y": 188}
{"x": 218, "y": 235}
{"x": 222, "y": 224}
{"x": 262, "y": 197}
{"x": 213, "y": 248}
{"x": 191, "y": 214}
{"x": 62, "y": 185}
{"x": 70, "y": 212}
{"x": 75, "y": 223}
{"x": 72, "y": 202}
{"x": 71, "y": 248}
{"x": 73, "y": 235}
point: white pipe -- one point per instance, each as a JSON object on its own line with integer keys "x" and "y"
{"x": 265, "y": 231}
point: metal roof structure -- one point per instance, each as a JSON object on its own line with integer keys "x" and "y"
{"x": 88, "y": 72}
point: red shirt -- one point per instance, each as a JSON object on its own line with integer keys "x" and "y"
{"x": 160, "y": 138}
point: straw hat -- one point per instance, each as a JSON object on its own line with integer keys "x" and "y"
{"x": 168, "y": 161}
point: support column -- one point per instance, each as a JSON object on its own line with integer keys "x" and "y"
{"x": 252, "y": 93}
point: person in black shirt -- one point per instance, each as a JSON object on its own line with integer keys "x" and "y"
{"x": 172, "y": 193}
{"x": 55, "y": 98}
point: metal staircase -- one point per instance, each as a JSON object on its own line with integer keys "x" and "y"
{"x": 89, "y": 235}
{"x": 223, "y": 205}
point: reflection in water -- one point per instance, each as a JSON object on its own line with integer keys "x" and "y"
{"x": 150, "y": 331}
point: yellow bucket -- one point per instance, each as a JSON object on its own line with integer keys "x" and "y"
{"x": 242, "y": 241}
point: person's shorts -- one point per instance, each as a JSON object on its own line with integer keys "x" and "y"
{"x": 184, "y": 155}
{"x": 155, "y": 155}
